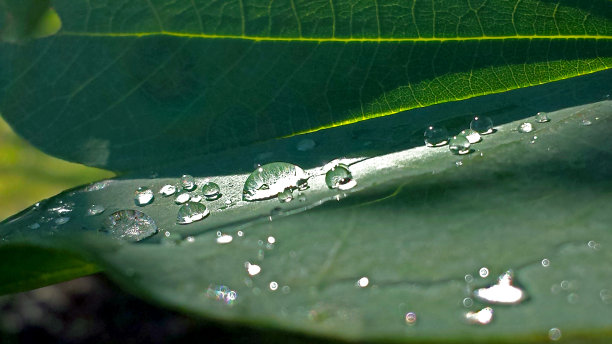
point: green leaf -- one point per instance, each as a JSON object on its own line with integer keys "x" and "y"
{"x": 157, "y": 82}
{"x": 21, "y": 20}
{"x": 417, "y": 222}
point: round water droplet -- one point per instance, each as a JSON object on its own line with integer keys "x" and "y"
{"x": 554, "y": 334}
{"x": 468, "y": 278}
{"x": 363, "y": 282}
{"x": 305, "y": 145}
{"x": 61, "y": 220}
{"x": 131, "y": 225}
{"x": 143, "y": 196}
{"x": 542, "y": 117}
{"x": 471, "y": 135}
{"x": 483, "y": 272}
{"x": 191, "y": 212}
{"x": 586, "y": 122}
{"x": 182, "y": 198}
{"x": 459, "y": 145}
{"x": 286, "y": 196}
{"x": 411, "y": 318}
{"x": 525, "y": 127}
{"x": 188, "y": 182}
{"x": 339, "y": 177}
{"x": 269, "y": 180}
{"x": 468, "y": 302}
{"x": 211, "y": 191}
{"x": 167, "y": 190}
{"x": 435, "y": 136}
{"x": 95, "y": 209}
{"x": 482, "y": 125}
{"x": 545, "y": 262}
{"x": 273, "y": 286}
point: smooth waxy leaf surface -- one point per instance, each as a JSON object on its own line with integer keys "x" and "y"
{"x": 417, "y": 222}
{"x": 157, "y": 81}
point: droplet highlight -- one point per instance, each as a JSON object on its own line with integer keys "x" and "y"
{"x": 502, "y": 293}
{"x": 143, "y": 196}
{"x": 435, "y": 136}
{"x": 525, "y": 127}
{"x": 182, "y": 198}
{"x": 471, "y": 135}
{"x": 459, "y": 145}
{"x": 191, "y": 212}
{"x": 95, "y": 209}
{"x": 269, "y": 180}
{"x": 542, "y": 117}
{"x": 286, "y": 196}
{"x": 482, "y": 317}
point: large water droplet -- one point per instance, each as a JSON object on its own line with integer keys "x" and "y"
{"x": 471, "y": 135}
{"x": 435, "y": 136}
{"x": 482, "y": 125}
{"x": 95, "y": 209}
{"x": 188, "y": 182}
{"x": 459, "y": 145}
{"x": 211, "y": 191}
{"x": 191, "y": 212}
{"x": 143, "y": 196}
{"x": 542, "y": 117}
{"x": 525, "y": 127}
{"x": 340, "y": 177}
{"x": 286, "y": 196}
{"x": 503, "y": 292}
{"x": 167, "y": 190}
{"x": 482, "y": 317}
{"x": 131, "y": 225}
{"x": 269, "y": 180}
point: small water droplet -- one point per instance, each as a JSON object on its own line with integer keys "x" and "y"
{"x": 545, "y": 262}
{"x": 340, "y": 177}
{"x": 95, "y": 209}
{"x": 410, "y": 318}
{"x": 572, "y": 298}
{"x": 503, "y": 292}
{"x": 594, "y": 245}
{"x": 542, "y": 117}
{"x": 471, "y": 135}
{"x": 435, "y": 136}
{"x": 483, "y": 272}
{"x": 34, "y": 225}
{"x": 305, "y": 145}
{"x": 468, "y": 278}
{"x": 362, "y": 282}
{"x": 252, "y": 269}
{"x": 143, "y": 196}
{"x": 564, "y": 285}
{"x": 224, "y": 239}
{"x": 606, "y": 296}
{"x": 132, "y": 225}
{"x": 482, "y": 125}
{"x": 286, "y": 196}
{"x": 459, "y": 145}
{"x": 271, "y": 240}
{"x": 286, "y": 289}
{"x": 554, "y": 334}
{"x": 191, "y": 212}
{"x": 211, "y": 191}
{"x": 482, "y": 317}
{"x": 240, "y": 233}
{"x": 271, "y": 179}
{"x": 167, "y": 190}
{"x": 190, "y": 239}
{"x": 61, "y": 220}
{"x": 468, "y": 302}
{"x": 459, "y": 163}
{"x": 182, "y": 198}
{"x": 222, "y": 293}
{"x": 273, "y": 286}
{"x": 586, "y": 122}
{"x": 188, "y": 182}
{"x": 525, "y": 127}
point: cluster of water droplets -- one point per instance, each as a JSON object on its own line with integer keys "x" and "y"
{"x": 460, "y": 144}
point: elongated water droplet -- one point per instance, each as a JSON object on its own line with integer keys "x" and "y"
{"x": 224, "y": 239}
{"x": 95, "y": 209}
{"x": 34, "y": 225}
{"x": 131, "y": 225}
{"x": 542, "y": 117}
{"x": 182, "y": 198}
{"x": 269, "y": 180}
{"x": 459, "y": 145}
{"x": 167, "y": 190}
{"x": 211, "y": 191}
{"x": 191, "y": 212}
{"x": 482, "y": 125}
{"x": 586, "y": 122}
{"x": 305, "y": 145}
{"x": 525, "y": 127}
{"x": 482, "y": 317}
{"x": 471, "y": 135}
{"x": 144, "y": 196}
{"x": 340, "y": 177}
{"x": 61, "y": 220}
{"x": 435, "y": 136}
{"x": 503, "y": 292}
{"x": 188, "y": 182}
{"x": 286, "y": 196}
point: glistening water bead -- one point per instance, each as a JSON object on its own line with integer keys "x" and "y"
{"x": 191, "y": 212}
{"x": 435, "y": 136}
{"x": 188, "y": 182}
{"x": 482, "y": 125}
{"x": 286, "y": 196}
{"x": 143, "y": 196}
{"x": 339, "y": 177}
{"x": 542, "y": 117}
{"x": 471, "y": 135}
{"x": 459, "y": 145}
{"x": 130, "y": 225}
{"x": 525, "y": 127}
{"x": 211, "y": 190}
{"x": 269, "y": 180}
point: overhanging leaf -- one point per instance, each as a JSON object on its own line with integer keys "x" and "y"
{"x": 157, "y": 82}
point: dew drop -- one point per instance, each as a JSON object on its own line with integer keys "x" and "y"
{"x": 542, "y": 117}
{"x": 182, "y": 198}
{"x": 269, "y": 180}
{"x": 60, "y": 207}
{"x": 224, "y": 239}
{"x": 468, "y": 278}
{"x": 554, "y": 334}
{"x": 468, "y": 302}
{"x": 586, "y": 122}
{"x": 545, "y": 262}
{"x": 483, "y": 272}
{"x": 167, "y": 190}
{"x": 286, "y": 289}
{"x": 363, "y": 282}
{"x": 340, "y": 177}
{"x": 191, "y": 212}
{"x": 285, "y": 196}
{"x": 482, "y": 317}
{"x": 252, "y": 269}
{"x": 131, "y": 225}
{"x": 95, "y": 209}
{"x": 188, "y": 182}
{"x": 471, "y": 135}
{"x": 143, "y": 196}
{"x": 410, "y": 318}
{"x": 503, "y": 292}
{"x": 211, "y": 191}
{"x": 435, "y": 136}
{"x": 482, "y": 125}
{"x": 305, "y": 145}
{"x": 459, "y": 145}
{"x": 525, "y": 127}
{"x": 61, "y": 220}
{"x": 271, "y": 240}
{"x": 273, "y": 286}
{"x": 190, "y": 239}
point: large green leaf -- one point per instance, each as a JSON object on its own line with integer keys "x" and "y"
{"x": 157, "y": 81}
{"x": 419, "y": 220}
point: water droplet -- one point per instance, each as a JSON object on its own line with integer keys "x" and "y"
{"x": 286, "y": 196}
{"x": 144, "y": 196}
{"x": 269, "y": 180}
{"x": 435, "y": 136}
{"x": 305, "y": 145}
{"x": 61, "y": 220}
{"x": 224, "y": 239}
{"x": 468, "y": 302}
{"x": 459, "y": 163}
{"x": 188, "y": 182}
{"x": 483, "y": 272}
{"x": 503, "y": 292}
{"x": 542, "y": 117}
{"x": 545, "y": 262}
{"x": 240, "y": 233}
{"x": 95, "y": 209}
{"x": 167, "y": 190}
{"x": 131, "y": 225}
{"x": 271, "y": 240}
{"x": 98, "y": 185}
{"x": 565, "y": 284}
{"x": 190, "y": 239}
{"x": 459, "y": 145}
{"x": 191, "y": 212}
{"x": 594, "y": 245}
{"x": 471, "y": 135}
{"x": 363, "y": 282}
{"x": 286, "y": 289}
{"x": 196, "y": 198}
{"x": 482, "y": 317}
{"x": 554, "y": 334}
{"x": 273, "y": 286}
{"x": 252, "y": 269}
{"x": 468, "y": 278}
{"x": 606, "y": 296}
{"x": 482, "y": 125}
{"x": 222, "y": 293}
{"x": 211, "y": 191}
{"x": 339, "y": 177}
{"x": 182, "y": 198}
{"x": 586, "y": 122}
{"x": 411, "y": 318}
{"x": 525, "y": 127}
{"x": 60, "y": 207}
{"x": 34, "y": 225}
